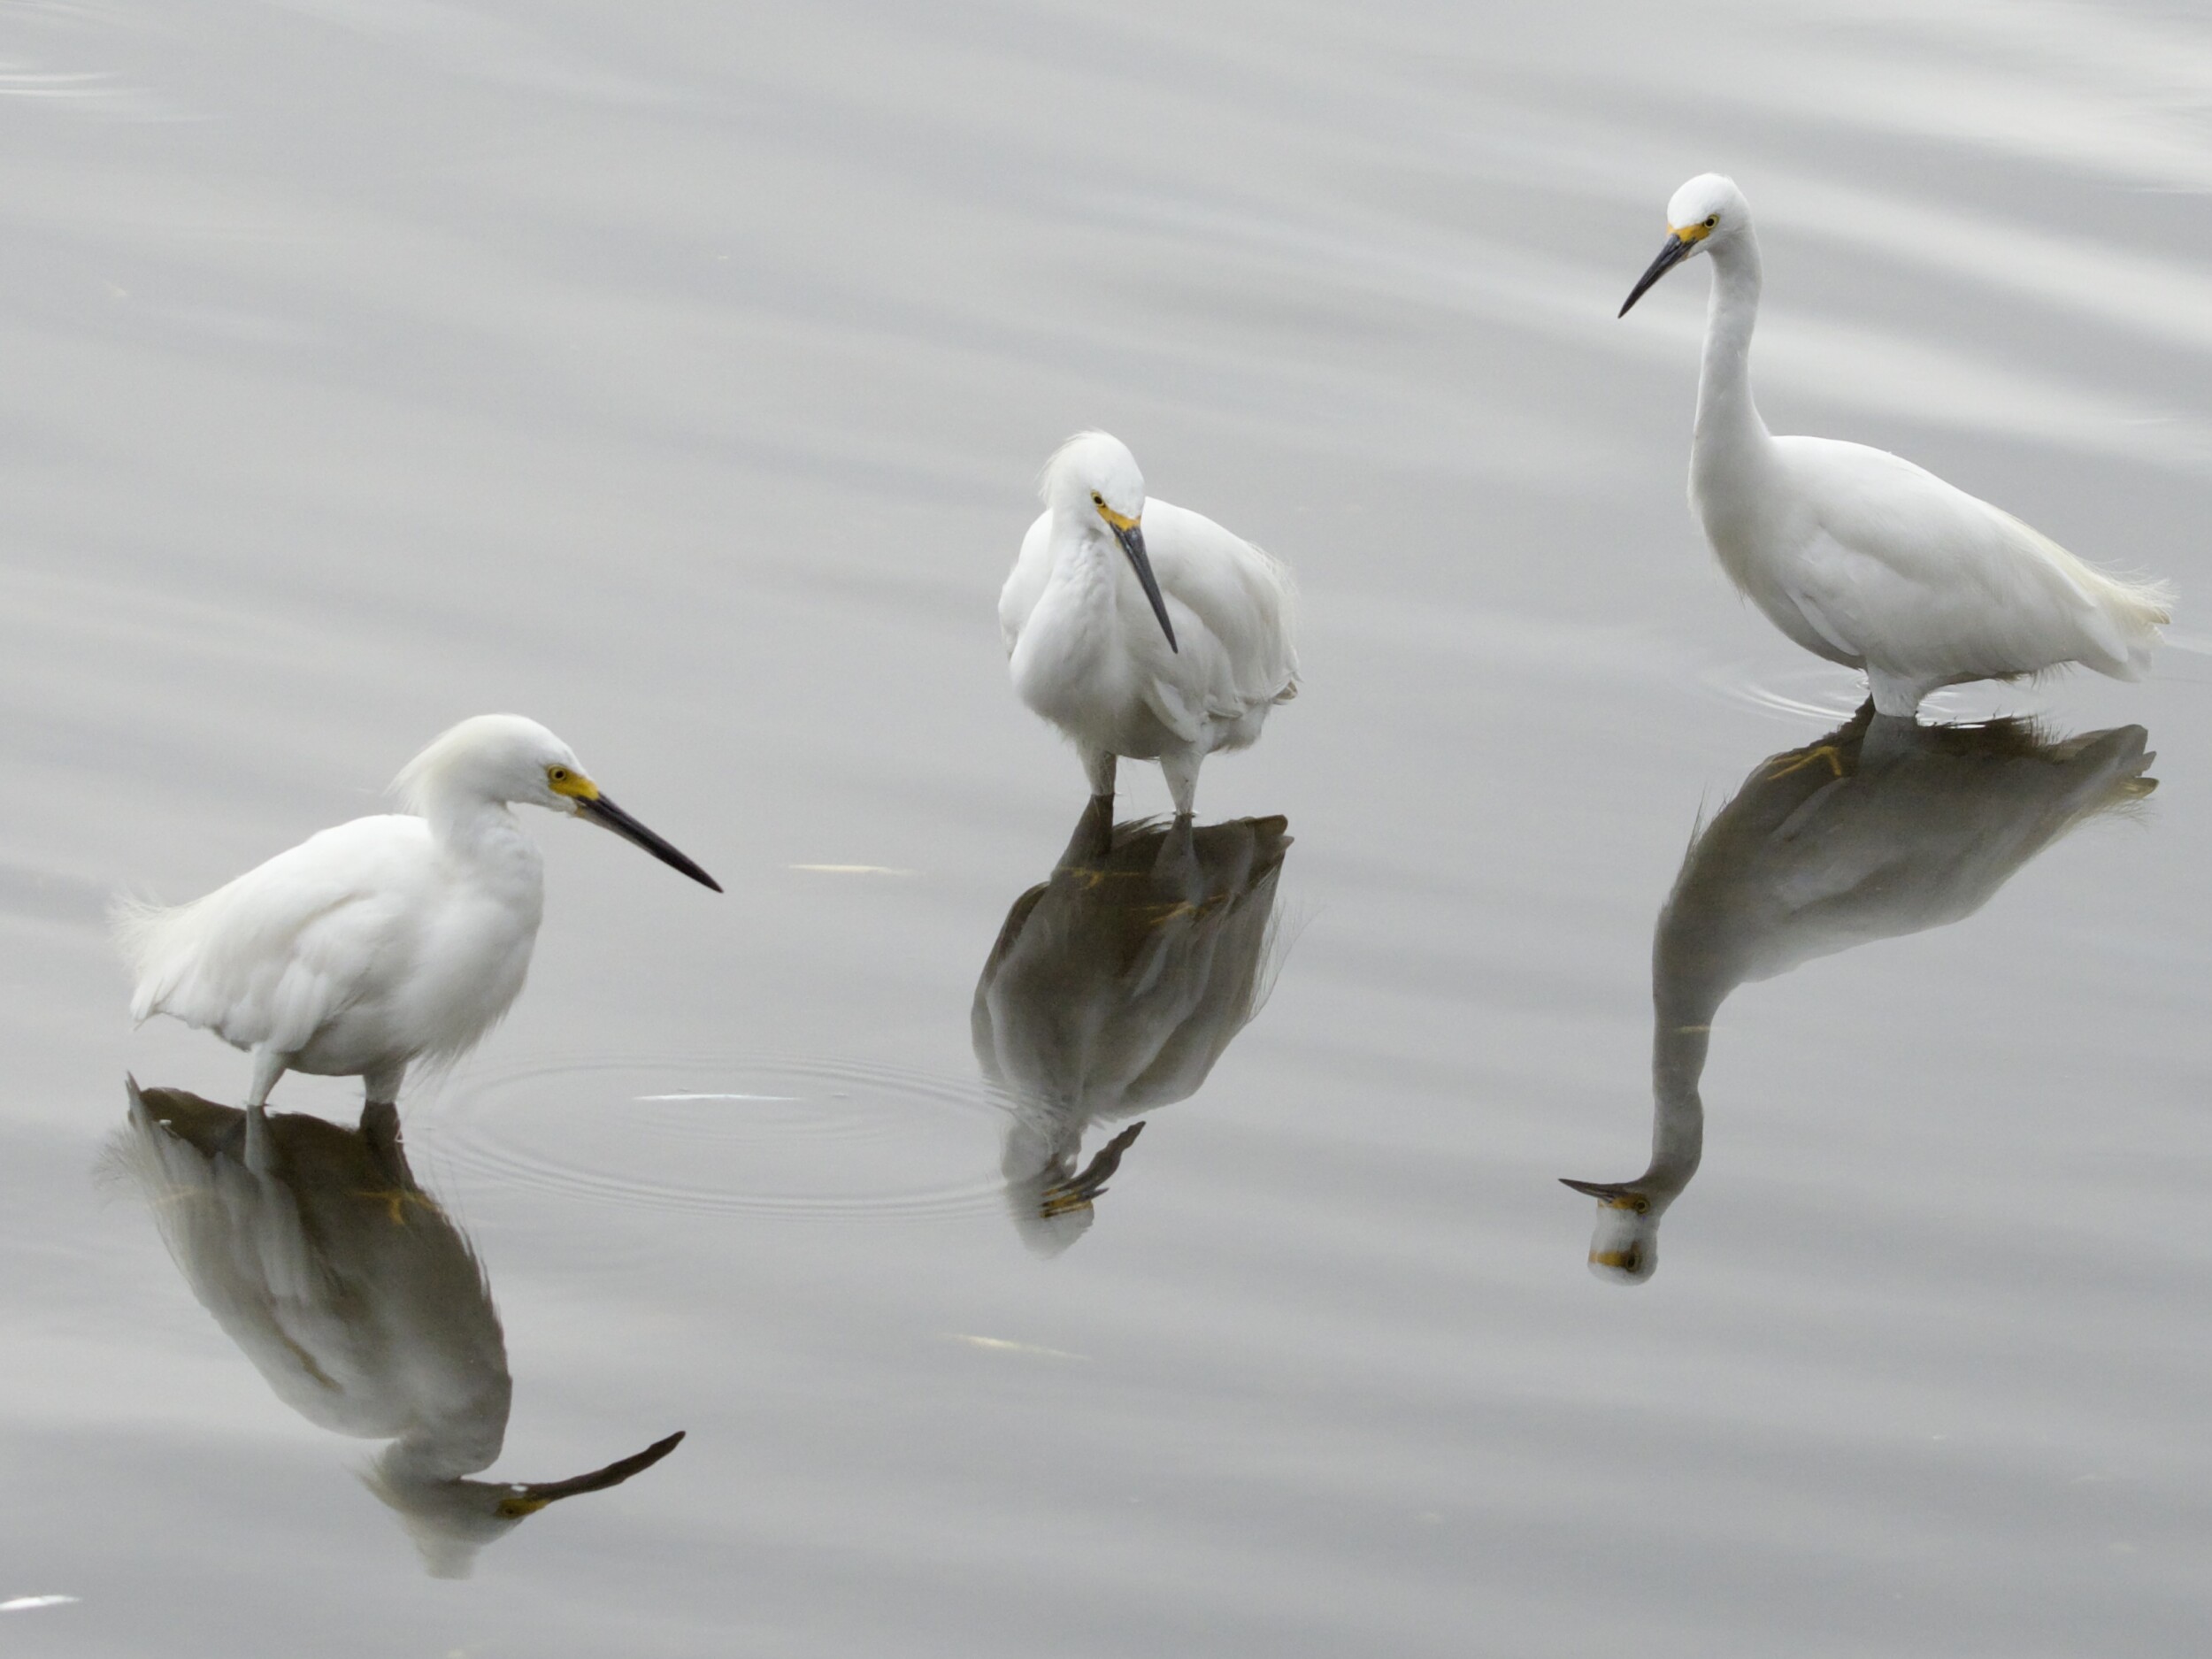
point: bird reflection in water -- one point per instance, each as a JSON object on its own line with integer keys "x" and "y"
{"x": 356, "y": 1296}
{"x": 1113, "y": 988}
{"x": 1881, "y": 828}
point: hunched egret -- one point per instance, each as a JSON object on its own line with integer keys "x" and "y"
{"x": 1861, "y": 556}
{"x": 1113, "y": 989}
{"x": 1175, "y": 649}
{"x": 386, "y": 940}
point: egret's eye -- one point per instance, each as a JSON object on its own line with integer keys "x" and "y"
{"x": 1097, "y": 500}
{"x": 1711, "y": 219}
{"x": 557, "y": 774}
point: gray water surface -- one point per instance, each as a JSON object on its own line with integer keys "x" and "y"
{"x": 679, "y": 375}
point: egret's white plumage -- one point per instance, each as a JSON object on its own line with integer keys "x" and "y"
{"x": 1176, "y": 650}
{"x": 386, "y": 940}
{"x": 1863, "y": 557}
{"x": 354, "y": 1296}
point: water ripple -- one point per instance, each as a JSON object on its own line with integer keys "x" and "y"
{"x": 793, "y": 1139}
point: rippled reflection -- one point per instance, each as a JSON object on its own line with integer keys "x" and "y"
{"x": 1879, "y": 829}
{"x": 356, "y": 1296}
{"x": 1113, "y": 988}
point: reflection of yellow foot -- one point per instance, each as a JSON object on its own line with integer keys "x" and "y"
{"x": 1798, "y": 762}
{"x": 397, "y": 1198}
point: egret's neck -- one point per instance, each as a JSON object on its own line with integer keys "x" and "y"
{"x": 433, "y": 1453}
{"x": 1081, "y": 562}
{"x": 1041, "y": 1140}
{"x": 1679, "y": 1041}
{"x": 483, "y": 833}
{"x": 1726, "y": 417}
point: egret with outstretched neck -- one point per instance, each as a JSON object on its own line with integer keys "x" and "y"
{"x": 1859, "y": 555}
{"x": 1140, "y": 628}
{"x": 1878, "y": 830}
{"x": 385, "y": 940}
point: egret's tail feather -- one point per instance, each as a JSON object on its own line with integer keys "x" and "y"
{"x": 2136, "y": 608}
{"x": 144, "y": 933}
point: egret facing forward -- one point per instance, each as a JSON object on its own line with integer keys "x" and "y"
{"x": 386, "y": 940}
{"x": 1172, "y": 650}
{"x": 1863, "y": 557}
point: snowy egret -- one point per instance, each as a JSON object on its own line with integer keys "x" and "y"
{"x": 386, "y": 940}
{"x": 1179, "y": 655}
{"x": 355, "y": 1298}
{"x": 1877, "y": 830}
{"x": 1863, "y": 557}
{"x": 1113, "y": 989}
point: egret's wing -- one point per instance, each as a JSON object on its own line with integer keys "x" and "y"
{"x": 1025, "y": 583}
{"x": 275, "y": 954}
{"x": 1945, "y": 581}
{"x": 1245, "y": 599}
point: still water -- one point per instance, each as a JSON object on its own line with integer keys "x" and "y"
{"x": 679, "y": 375}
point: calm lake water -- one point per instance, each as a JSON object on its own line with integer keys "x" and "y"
{"x": 679, "y": 375}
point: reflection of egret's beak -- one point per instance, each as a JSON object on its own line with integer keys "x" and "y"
{"x": 1674, "y": 253}
{"x": 1129, "y": 533}
{"x": 1612, "y": 1195}
{"x": 601, "y": 810}
{"x": 528, "y": 1500}
{"x": 1077, "y": 1192}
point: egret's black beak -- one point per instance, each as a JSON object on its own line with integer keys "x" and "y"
{"x": 530, "y": 1498}
{"x": 1670, "y": 256}
{"x": 601, "y": 810}
{"x": 1078, "y": 1191}
{"x": 1613, "y": 1195}
{"x": 1131, "y": 542}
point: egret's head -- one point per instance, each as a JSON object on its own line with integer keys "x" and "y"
{"x": 1706, "y": 213}
{"x": 503, "y": 759}
{"x": 451, "y": 1519}
{"x": 1092, "y": 481}
{"x": 1094, "y": 477}
{"x": 1624, "y": 1246}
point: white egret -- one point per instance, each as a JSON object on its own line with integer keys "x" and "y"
{"x": 386, "y": 940}
{"x": 1113, "y": 989}
{"x": 357, "y": 1299}
{"x": 1197, "y": 673}
{"x": 1877, "y": 830}
{"x": 1863, "y": 557}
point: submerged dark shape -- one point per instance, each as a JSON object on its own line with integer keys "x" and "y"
{"x": 1113, "y": 989}
{"x": 1879, "y": 829}
{"x": 354, "y": 1296}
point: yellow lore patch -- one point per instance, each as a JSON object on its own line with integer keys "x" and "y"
{"x": 1119, "y": 520}
{"x": 563, "y": 781}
